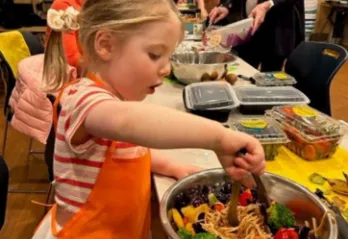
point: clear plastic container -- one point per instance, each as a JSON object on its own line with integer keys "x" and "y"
{"x": 264, "y": 129}
{"x": 313, "y": 135}
{"x": 255, "y": 100}
{"x": 273, "y": 79}
{"x": 213, "y": 100}
{"x": 235, "y": 34}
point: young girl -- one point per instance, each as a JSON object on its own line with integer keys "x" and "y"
{"x": 102, "y": 176}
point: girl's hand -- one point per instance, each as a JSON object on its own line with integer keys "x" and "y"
{"x": 166, "y": 166}
{"x": 182, "y": 170}
{"x": 240, "y": 166}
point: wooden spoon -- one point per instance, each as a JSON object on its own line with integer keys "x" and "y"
{"x": 261, "y": 191}
{"x": 232, "y": 214}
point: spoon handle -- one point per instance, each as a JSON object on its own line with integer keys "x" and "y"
{"x": 261, "y": 191}
{"x": 232, "y": 214}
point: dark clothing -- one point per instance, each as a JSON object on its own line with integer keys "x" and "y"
{"x": 253, "y": 54}
{"x": 236, "y": 12}
{"x": 278, "y": 35}
{"x": 285, "y": 23}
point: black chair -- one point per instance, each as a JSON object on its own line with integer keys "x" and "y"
{"x": 4, "y": 178}
{"x": 49, "y": 149}
{"x": 314, "y": 65}
{"x": 49, "y": 152}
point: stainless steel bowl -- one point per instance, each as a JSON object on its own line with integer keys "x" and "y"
{"x": 188, "y": 67}
{"x": 278, "y": 188}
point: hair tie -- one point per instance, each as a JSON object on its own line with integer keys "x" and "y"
{"x": 63, "y": 21}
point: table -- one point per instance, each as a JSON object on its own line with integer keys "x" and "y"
{"x": 206, "y": 159}
{"x": 170, "y": 95}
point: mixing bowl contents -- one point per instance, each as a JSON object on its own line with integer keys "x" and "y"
{"x": 201, "y": 212}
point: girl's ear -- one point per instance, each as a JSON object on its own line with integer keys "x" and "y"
{"x": 104, "y": 44}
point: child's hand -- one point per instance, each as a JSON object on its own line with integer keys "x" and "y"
{"x": 182, "y": 170}
{"x": 238, "y": 166}
{"x": 166, "y": 166}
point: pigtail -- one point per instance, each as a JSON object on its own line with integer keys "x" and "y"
{"x": 55, "y": 63}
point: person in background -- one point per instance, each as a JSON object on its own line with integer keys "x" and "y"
{"x": 106, "y": 139}
{"x": 210, "y": 4}
{"x": 70, "y": 43}
{"x": 278, "y": 29}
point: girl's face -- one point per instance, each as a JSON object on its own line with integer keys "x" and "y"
{"x": 137, "y": 67}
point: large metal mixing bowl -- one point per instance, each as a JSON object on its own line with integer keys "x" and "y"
{"x": 278, "y": 188}
{"x": 188, "y": 67}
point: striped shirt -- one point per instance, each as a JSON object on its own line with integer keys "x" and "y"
{"x": 76, "y": 167}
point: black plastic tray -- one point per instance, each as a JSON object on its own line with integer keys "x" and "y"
{"x": 217, "y": 115}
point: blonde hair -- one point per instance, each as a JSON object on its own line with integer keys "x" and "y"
{"x": 122, "y": 17}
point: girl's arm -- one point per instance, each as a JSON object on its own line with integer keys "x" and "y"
{"x": 164, "y": 128}
{"x": 152, "y": 126}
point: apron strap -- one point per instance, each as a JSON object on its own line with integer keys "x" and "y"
{"x": 54, "y": 221}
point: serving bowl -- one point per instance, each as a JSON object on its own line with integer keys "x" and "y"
{"x": 189, "y": 67}
{"x": 282, "y": 190}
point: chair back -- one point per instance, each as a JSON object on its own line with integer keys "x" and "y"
{"x": 314, "y": 65}
{"x": 49, "y": 149}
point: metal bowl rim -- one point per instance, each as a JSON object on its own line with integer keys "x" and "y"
{"x": 172, "y": 234}
{"x": 203, "y": 64}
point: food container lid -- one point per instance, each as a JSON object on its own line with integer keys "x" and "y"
{"x": 311, "y": 124}
{"x": 274, "y": 78}
{"x": 216, "y": 95}
{"x": 270, "y": 95}
{"x": 264, "y": 129}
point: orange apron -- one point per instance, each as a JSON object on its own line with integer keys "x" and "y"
{"x": 119, "y": 203}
